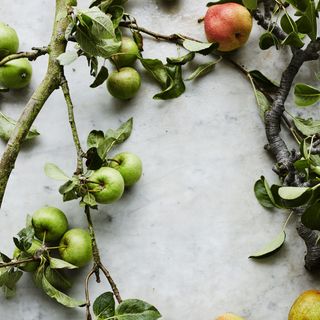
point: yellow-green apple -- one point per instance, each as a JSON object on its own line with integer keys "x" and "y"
{"x": 306, "y": 306}
{"x": 124, "y": 83}
{"x": 16, "y": 74}
{"x": 229, "y": 316}
{"x": 228, "y": 24}
{"x": 49, "y": 223}
{"x": 129, "y": 165}
{"x": 106, "y": 184}
{"x": 9, "y": 41}
{"x": 127, "y": 54}
{"x": 75, "y": 247}
{"x": 19, "y": 255}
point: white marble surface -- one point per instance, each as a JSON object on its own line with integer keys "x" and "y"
{"x": 181, "y": 237}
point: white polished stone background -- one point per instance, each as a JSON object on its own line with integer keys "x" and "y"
{"x": 181, "y": 237}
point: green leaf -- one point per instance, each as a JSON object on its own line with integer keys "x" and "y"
{"x": 293, "y": 39}
{"x": 176, "y": 87}
{"x": 250, "y": 4}
{"x": 122, "y": 133}
{"x": 203, "y": 69}
{"x": 264, "y": 82}
{"x": 59, "y": 296}
{"x": 301, "y": 164}
{"x": 299, "y": 4}
{"x": 67, "y": 57}
{"x": 100, "y": 24}
{"x": 287, "y": 24}
{"x": 200, "y": 47}
{"x": 100, "y": 78}
{"x": 311, "y": 217}
{"x": 7, "y": 126}
{"x": 133, "y": 309}
{"x": 68, "y": 186}
{"x": 267, "y": 40}
{"x": 104, "y": 48}
{"x": 89, "y": 200}
{"x": 26, "y": 236}
{"x": 95, "y": 138}
{"x": 54, "y": 172}
{"x": 306, "y": 95}
{"x": 104, "y": 306}
{"x": 292, "y": 193}
{"x": 57, "y": 279}
{"x": 304, "y": 25}
{"x": 117, "y": 14}
{"x": 263, "y": 193}
{"x": 263, "y": 103}
{"x": 308, "y": 127}
{"x": 60, "y": 264}
{"x": 182, "y": 60}
{"x": 157, "y": 70}
{"x": 271, "y": 247}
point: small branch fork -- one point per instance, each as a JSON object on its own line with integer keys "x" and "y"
{"x": 97, "y": 266}
{"x": 31, "y": 55}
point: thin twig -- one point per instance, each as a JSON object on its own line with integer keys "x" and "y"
{"x": 14, "y": 263}
{"x": 31, "y": 55}
{"x": 92, "y": 271}
{"x": 66, "y": 92}
{"x": 96, "y": 257}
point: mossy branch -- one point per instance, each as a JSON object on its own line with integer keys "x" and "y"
{"x": 50, "y": 83}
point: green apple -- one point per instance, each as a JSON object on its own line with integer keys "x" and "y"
{"x": 49, "y": 222}
{"x": 75, "y": 247}
{"x": 9, "y": 41}
{"x": 306, "y": 306}
{"x": 16, "y": 74}
{"x": 106, "y": 184}
{"x": 124, "y": 84}
{"x": 129, "y": 165}
{"x": 19, "y": 255}
{"x": 127, "y": 54}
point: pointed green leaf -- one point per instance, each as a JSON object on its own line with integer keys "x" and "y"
{"x": 133, "y": 309}
{"x": 182, "y": 60}
{"x": 104, "y": 306}
{"x": 292, "y": 193}
{"x": 203, "y": 69}
{"x": 308, "y": 127}
{"x": 271, "y": 247}
{"x": 100, "y": 78}
{"x": 7, "y": 126}
{"x": 250, "y": 4}
{"x": 60, "y": 264}
{"x": 311, "y": 217}
{"x": 67, "y": 57}
{"x": 59, "y": 296}
{"x": 306, "y": 95}
{"x": 54, "y": 172}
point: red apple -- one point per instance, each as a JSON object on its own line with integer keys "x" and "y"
{"x": 228, "y": 24}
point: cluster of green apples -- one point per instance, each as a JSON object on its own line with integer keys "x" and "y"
{"x": 107, "y": 184}
{"x": 51, "y": 231}
{"x": 125, "y": 82}
{"x": 15, "y": 74}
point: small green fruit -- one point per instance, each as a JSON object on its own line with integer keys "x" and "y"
{"x": 9, "y": 41}
{"x": 49, "y": 222}
{"x": 127, "y": 54}
{"x": 75, "y": 247}
{"x": 129, "y": 165}
{"x": 124, "y": 84}
{"x": 16, "y": 74}
{"x": 306, "y": 306}
{"x": 107, "y": 185}
{"x": 19, "y": 255}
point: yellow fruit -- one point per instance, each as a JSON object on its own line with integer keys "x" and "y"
{"x": 306, "y": 306}
{"x": 229, "y": 316}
